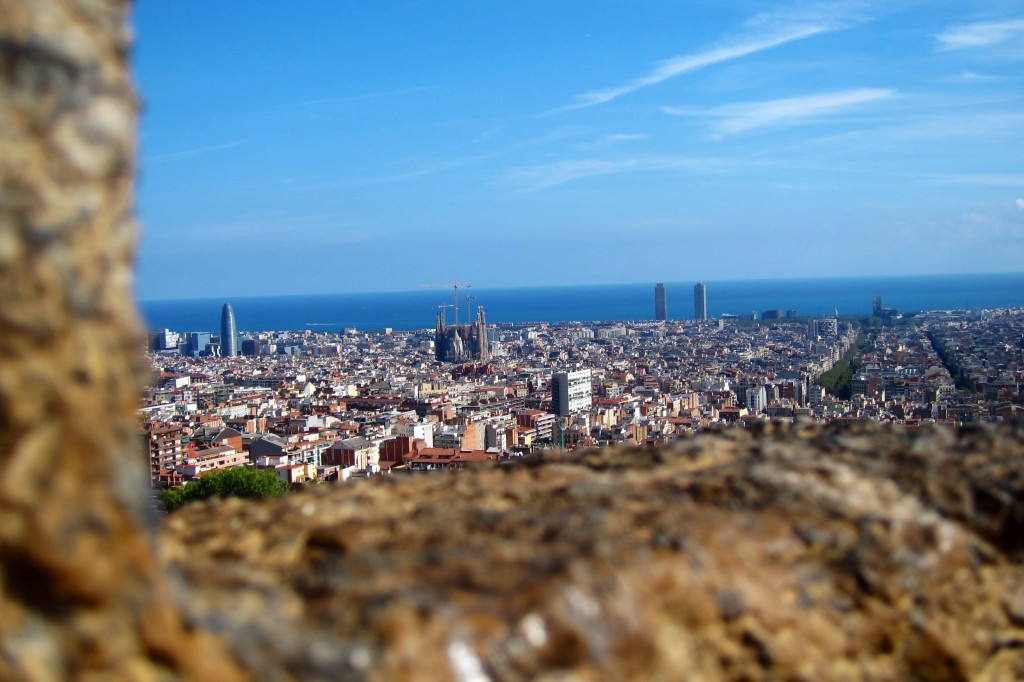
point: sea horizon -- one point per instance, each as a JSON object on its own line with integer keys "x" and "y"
{"x": 416, "y": 309}
{"x": 584, "y": 285}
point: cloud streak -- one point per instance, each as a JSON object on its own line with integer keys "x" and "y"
{"x": 547, "y": 175}
{"x": 974, "y": 76}
{"x": 611, "y": 140}
{"x": 764, "y": 31}
{"x": 739, "y": 118}
{"x": 685, "y": 63}
{"x": 979, "y": 34}
{"x": 347, "y": 99}
{"x": 196, "y": 151}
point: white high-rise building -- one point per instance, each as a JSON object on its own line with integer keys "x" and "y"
{"x": 757, "y": 399}
{"x": 570, "y": 392}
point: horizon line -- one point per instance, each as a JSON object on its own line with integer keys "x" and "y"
{"x": 225, "y": 298}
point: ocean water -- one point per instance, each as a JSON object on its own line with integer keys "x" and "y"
{"x": 416, "y": 309}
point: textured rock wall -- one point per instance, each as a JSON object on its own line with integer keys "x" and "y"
{"x": 845, "y": 553}
{"x": 80, "y": 588}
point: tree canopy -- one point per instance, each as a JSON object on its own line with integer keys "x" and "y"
{"x": 246, "y": 483}
{"x": 838, "y": 379}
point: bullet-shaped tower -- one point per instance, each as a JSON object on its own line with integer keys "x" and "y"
{"x": 228, "y": 332}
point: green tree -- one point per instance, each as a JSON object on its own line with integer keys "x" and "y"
{"x": 837, "y": 380}
{"x": 249, "y": 484}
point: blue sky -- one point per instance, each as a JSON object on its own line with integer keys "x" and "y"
{"x": 327, "y": 146}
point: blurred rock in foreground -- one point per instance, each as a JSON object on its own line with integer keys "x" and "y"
{"x": 81, "y": 595}
{"x": 844, "y": 553}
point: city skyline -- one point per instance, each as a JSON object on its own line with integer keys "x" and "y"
{"x": 338, "y": 148}
{"x": 418, "y": 308}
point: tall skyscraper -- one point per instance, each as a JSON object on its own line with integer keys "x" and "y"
{"x": 876, "y": 306}
{"x": 659, "y": 302}
{"x": 228, "y": 333}
{"x": 700, "y": 301}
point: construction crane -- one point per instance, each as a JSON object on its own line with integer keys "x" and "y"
{"x": 469, "y": 311}
{"x": 456, "y": 286}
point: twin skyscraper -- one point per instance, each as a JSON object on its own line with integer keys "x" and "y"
{"x": 700, "y": 302}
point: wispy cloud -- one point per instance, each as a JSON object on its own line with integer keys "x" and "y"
{"x": 543, "y": 176}
{"x": 685, "y": 63}
{"x": 738, "y": 118}
{"x": 974, "y": 76}
{"x": 993, "y": 230}
{"x": 546, "y": 175}
{"x": 606, "y": 141}
{"x": 421, "y": 169}
{"x": 195, "y": 151}
{"x": 991, "y": 179}
{"x": 762, "y": 32}
{"x": 367, "y": 96}
{"x": 556, "y": 135}
{"x": 979, "y": 34}
{"x": 272, "y": 226}
{"x": 431, "y": 168}
{"x": 1020, "y": 204}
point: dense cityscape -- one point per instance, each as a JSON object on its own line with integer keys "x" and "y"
{"x": 320, "y": 406}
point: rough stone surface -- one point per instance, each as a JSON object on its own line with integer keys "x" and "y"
{"x": 849, "y": 553}
{"x": 80, "y": 591}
